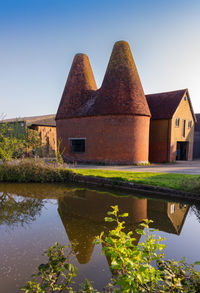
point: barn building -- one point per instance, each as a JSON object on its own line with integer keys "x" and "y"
{"x": 112, "y": 124}
{"x": 171, "y": 127}
{"x": 109, "y": 124}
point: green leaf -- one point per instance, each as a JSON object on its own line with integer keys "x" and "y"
{"x": 140, "y": 231}
{"x": 123, "y": 215}
{"x": 108, "y": 219}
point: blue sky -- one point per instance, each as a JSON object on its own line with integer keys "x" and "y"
{"x": 39, "y": 39}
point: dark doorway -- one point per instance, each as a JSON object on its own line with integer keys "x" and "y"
{"x": 182, "y": 150}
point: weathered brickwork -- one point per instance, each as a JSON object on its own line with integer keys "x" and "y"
{"x": 48, "y": 138}
{"x": 110, "y": 139}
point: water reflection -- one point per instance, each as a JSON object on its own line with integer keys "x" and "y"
{"x": 78, "y": 214}
{"x": 15, "y": 210}
{"x": 196, "y": 211}
{"x": 167, "y": 216}
{"x": 83, "y": 215}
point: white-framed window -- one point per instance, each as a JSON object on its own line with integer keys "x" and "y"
{"x": 190, "y": 124}
{"x": 172, "y": 208}
{"x": 77, "y": 145}
{"x": 177, "y": 122}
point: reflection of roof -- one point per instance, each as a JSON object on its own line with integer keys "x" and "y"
{"x": 164, "y": 105}
{"x": 167, "y": 216}
{"x": 163, "y": 223}
{"x": 44, "y": 120}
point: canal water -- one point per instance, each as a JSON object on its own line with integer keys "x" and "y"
{"x": 35, "y": 216}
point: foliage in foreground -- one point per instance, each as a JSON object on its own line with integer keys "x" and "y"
{"x": 135, "y": 268}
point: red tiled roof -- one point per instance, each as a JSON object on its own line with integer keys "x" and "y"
{"x": 78, "y": 89}
{"x": 121, "y": 91}
{"x": 164, "y": 105}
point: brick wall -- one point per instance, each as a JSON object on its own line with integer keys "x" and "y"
{"x": 111, "y": 139}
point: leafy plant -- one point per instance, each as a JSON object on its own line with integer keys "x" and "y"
{"x": 33, "y": 142}
{"x": 11, "y": 146}
{"x": 179, "y": 276}
{"x": 142, "y": 268}
{"x": 56, "y": 275}
{"x": 59, "y": 153}
{"x": 135, "y": 268}
{"x": 133, "y": 264}
{"x": 32, "y": 171}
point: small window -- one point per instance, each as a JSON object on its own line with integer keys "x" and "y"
{"x": 77, "y": 145}
{"x": 190, "y": 124}
{"x": 184, "y": 123}
{"x": 172, "y": 208}
{"x": 177, "y": 122}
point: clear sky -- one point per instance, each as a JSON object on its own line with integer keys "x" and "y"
{"x": 39, "y": 38}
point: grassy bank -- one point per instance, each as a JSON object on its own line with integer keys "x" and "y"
{"x": 38, "y": 171}
{"x": 184, "y": 182}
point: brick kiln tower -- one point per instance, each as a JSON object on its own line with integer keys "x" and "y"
{"x": 108, "y": 125}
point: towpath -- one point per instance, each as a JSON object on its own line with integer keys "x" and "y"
{"x": 181, "y": 167}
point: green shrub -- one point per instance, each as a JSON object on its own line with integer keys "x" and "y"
{"x": 32, "y": 171}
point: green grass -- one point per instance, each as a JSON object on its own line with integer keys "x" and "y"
{"x": 183, "y": 182}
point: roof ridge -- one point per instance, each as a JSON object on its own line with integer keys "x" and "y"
{"x": 168, "y": 92}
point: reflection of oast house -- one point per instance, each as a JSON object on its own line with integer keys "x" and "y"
{"x": 167, "y": 216}
{"x": 111, "y": 124}
{"x": 83, "y": 212}
{"x": 83, "y": 215}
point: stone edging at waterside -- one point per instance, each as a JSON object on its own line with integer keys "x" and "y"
{"x": 130, "y": 186}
